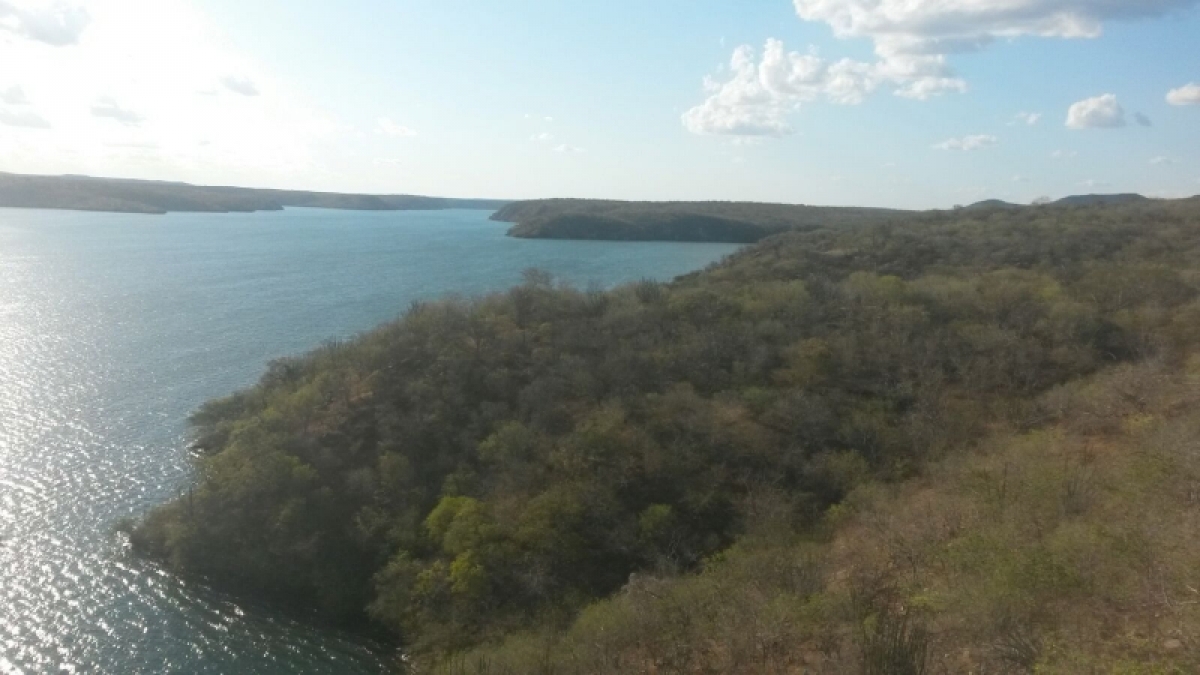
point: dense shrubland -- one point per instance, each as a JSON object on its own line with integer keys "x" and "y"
{"x": 1066, "y": 550}
{"x": 937, "y": 445}
{"x": 732, "y": 222}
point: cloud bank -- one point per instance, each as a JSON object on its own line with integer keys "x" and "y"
{"x": 912, "y": 41}
{"x": 55, "y": 23}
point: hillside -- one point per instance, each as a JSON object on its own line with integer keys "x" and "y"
{"x": 1101, "y": 200}
{"x": 994, "y": 204}
{"x": 957, "y": 443}
{"x": 729, "y": 222}
{"x": 83, "y": 193}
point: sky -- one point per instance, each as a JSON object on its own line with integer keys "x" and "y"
{"x": 900, "y": 103}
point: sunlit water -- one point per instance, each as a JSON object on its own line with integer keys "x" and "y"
{"x": 114, "y": 327}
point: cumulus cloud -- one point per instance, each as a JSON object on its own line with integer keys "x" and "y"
{"x": 904, "y": 27}
{"x": 760, "y": 91}
{"x": 14, "y": 95}
{"x": 1100, "y": 112}
{"x": 1188, "y": 94}
{"x": 387, "y": 127}
{"x": 1026, "y": 118}
{"x": 968, "y": 143}
{"x": 912, "y": 41}
{"x": 543, "y": 137}
{"x": 106, "y": 107}
{"x": 240, "y": 85}
{"x": 742, "y": 106}
{"x": 569, "y": 150}
{"x": 1163, "y": 161}
{"x": 23, "y": 118}
{"x": 53, "y": 22}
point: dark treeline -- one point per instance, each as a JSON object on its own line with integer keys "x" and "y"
{"x": 485, "y": 466}
{"x": 84, "y": 193}
{"x": 729, "y": 222}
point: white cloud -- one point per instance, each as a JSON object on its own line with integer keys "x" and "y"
{"x": 912, "y": 41}
{"x": 967, "y": 143}
{"x": 743, "y": 106}
{"x": 543, "y": 137}
{"x": 23, "y": 118}
{"x": 1026, "y": 118}
{"x": 1019, "y": 179}
{"x": 1063, "y": 154}
{"x": 949, "y": 26}
{"x": 14, "y": 95}
{"x": 569, "y": 150}
{"x": 240, "y": 85}
{"x": 387, "y": 127}
{"x": 1091, "y": 184}
{"x": 1163, "y": 161}
{"x": 106, "y": 107}
{"x": 1188, "y": 94}
{"x": 52, "y": 22}
{"x": 1101, "y": 112}
{"x": 759, "y": 93}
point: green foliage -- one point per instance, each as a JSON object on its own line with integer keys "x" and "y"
{"x": 733, "y": 222}
{"x": 972, "y": 567}
{"x": 489, "y": 466}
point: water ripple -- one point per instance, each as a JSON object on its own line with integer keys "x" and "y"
{"x": 113, "y": 328}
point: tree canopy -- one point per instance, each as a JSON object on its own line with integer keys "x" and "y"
{"x": 489, "y": 465}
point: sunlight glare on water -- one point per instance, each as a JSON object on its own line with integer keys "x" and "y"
{"x": 114, "y": 327}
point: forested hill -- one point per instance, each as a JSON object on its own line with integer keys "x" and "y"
{"x": 730, "y": 222}
{"x": 964, "y": 442}
{"x": 84, "y": 193}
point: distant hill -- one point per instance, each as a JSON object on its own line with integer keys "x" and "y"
{"x": 85, "y": 193}
{"x": 994, "y": 204}
{"x": 1101, "y": 200}
{"x": 727, "y": 222}
{"x": 1073, "y": 200}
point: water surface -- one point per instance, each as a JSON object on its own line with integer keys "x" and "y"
{"x": 114, "y": 327}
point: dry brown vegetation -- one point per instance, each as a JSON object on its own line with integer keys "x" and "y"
{"x": 1069, "y": 549}
{"x": 959, "y": 444}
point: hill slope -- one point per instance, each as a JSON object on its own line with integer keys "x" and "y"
{"x": 83, "y": 193}
{"x": 730, "y": 222}
{"x": 1101, "y": 200}
{"x": 704, "y": 472}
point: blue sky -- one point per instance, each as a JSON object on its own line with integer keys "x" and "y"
{"x": 852, "y": 102}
